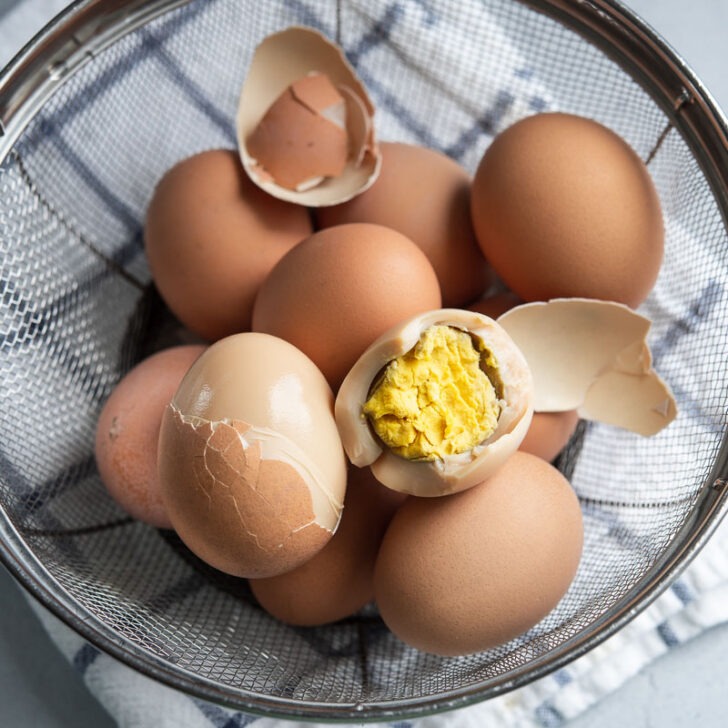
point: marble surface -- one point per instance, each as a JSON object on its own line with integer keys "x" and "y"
{"x": 684, "y": 688}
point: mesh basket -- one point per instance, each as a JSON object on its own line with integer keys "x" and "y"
{"x": 99, "y": 106}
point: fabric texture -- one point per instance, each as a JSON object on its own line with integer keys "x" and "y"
{"x": 695, "y": 601}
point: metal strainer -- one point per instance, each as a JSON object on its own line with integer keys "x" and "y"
{"x": 104, "y": 101}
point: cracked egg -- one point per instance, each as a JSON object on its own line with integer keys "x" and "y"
{"x": 305, "y": 121}
{"x": 251, "y": 467}
{"x": 437, "y": 404}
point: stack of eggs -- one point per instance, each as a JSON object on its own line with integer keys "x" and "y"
{"x": 355, "y": 424}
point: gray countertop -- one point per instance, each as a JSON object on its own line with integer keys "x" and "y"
{"x": 683, "y": 688}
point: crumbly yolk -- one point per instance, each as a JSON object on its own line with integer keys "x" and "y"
{"x": 435, "y": 400}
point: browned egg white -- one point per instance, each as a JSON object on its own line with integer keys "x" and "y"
{"x": 251, "y": 468}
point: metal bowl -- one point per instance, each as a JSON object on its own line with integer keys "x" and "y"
{"x": 109, "y": 96}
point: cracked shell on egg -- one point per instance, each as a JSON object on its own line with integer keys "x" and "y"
{"x": 251, "y": 467}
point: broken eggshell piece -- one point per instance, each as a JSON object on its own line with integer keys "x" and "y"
{"x": 592, "y": 356}
{"x": 251, "y": 467}
{"x": 452, "y": 472}
{"x": 291, "y": 79}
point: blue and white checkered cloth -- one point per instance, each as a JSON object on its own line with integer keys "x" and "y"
{"x": 697, "y": 600}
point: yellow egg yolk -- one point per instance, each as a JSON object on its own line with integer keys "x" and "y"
{"x": 436, "y": 400}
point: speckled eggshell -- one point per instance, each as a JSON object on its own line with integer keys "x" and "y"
{"x": 424, "y": 195}
{"x": 128, "y": 429}
{"x": 473, "y": 570}
{"x": 251, "y": 467}
{"x": 338, "y": 580}
{"x": 564, "y": 207}
{"x": 211, "y": 236}
{"x": 338, "y": 290}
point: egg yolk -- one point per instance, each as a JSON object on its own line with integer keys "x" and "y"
{"x": 436, "y": 400}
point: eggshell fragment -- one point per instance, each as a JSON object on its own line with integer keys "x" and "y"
{"x": 251, "y": 467}
{"x": 452, "y": 473}
{"x": 338, "y": 580}
{"x": 592, "y": 356}
{"x": 128, "y": 429}
{"x": 474, "y": 570}
{"x": 280, "y": 61}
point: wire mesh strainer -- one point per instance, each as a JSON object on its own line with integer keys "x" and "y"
{"x": 93, "y": 112}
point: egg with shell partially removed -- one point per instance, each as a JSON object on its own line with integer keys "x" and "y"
{"x": 251, "y": 468}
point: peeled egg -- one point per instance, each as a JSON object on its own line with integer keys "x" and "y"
{"x": 211, "y": 236}
{"x": 338, "y": 580}
{"x": 424, "y": 195}
{"x": 471, "y": 571}
{"x": 251, "y": 468}
{"x": 128, "y": 429}
{"x": 339, "y": 289}
{"x": 437, "y": 404}
{"x": 564, "y": 207}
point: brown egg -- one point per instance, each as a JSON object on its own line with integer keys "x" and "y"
{"x": 128, "y": 429}
{"x": 212, "y": 236}
{"x": 424, "y": 195}
{"x": 473, "y": 570}
{"x": 563, "y": 207}
{"x": 251, "y": 468}
{"x": 338, "y": 580}
{"x": 339, "y": 289}
{"x": 549, "y": 432}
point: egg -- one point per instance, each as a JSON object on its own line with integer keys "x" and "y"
{"x": 251, "y": 468}
{"x": 424, "y": 195}
{"x": 211, "y": 236}
{"x": 338, "y": 580}
{"x": 473, "y": 570}
{"x": 128, "y": 427}
{"x": 564, "y": 207}
{"x": 339, "y": 289}
{"x": 436, "y": 404}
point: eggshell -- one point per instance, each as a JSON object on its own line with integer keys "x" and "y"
{"x": 592, "y": 356}
{"x": 128, "y": 429}
{"x": 564, "y": 207}
{"x": 339, "y": 289}
{"x": 456, "y": 472}
{"x": 251, "y": 467}
{"x": 471, "y": 571}
{"x": 298, "y": 142}
{"x": 338, "y": 580}
{"x": 548, "y": 432}
{"x": 424, "y": 195}
{"x": 281, "y": 60}
{"x": 211, "y": 236}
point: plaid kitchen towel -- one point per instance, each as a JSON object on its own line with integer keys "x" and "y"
{"x": 440, "y": 46}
